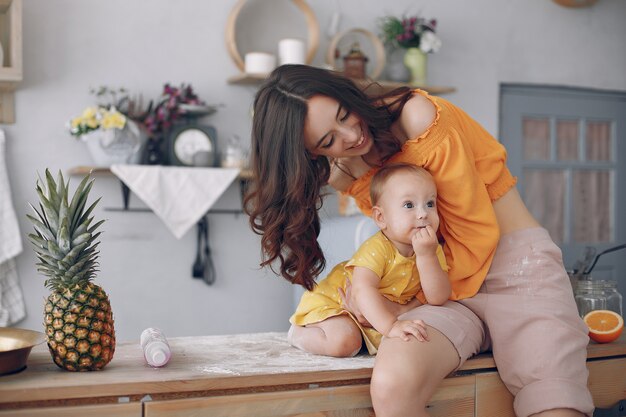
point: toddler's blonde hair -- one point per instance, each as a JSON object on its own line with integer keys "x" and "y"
{"x": 382, "y": 176}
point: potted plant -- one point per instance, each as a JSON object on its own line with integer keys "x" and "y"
{"x": 110, "y": 135}
{"x": 417, "y": 36}
{"x": 173, "y": 106}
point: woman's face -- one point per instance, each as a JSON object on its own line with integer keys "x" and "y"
{"x": 330, "y": 130}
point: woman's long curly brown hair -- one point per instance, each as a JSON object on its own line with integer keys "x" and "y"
{"x": 286, "y": 192}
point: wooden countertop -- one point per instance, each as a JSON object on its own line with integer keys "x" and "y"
{"x": 221, "y": 364}
{"x": 198, "y": 364}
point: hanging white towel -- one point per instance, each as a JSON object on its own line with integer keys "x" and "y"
{"x": 12, "y": 307}
{"x": 10, "y": 241}
{"x": 180, "y": 196}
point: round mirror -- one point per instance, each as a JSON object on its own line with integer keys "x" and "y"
{"x": 258, "y": 26}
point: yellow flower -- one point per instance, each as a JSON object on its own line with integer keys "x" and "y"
{"x": 92, "y": 123}
{"x": 89, "y": 112}
{"x": 113, "y": 120}
{"x": 76, "y": 122}
{"x": 93, "y": 118}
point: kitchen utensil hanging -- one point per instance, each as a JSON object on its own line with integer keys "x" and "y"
{"x": 197, "y": 270}
{"x": 582, "y": 269}
{"x": 587, "y": 271}
{"x": 203, "y": 267}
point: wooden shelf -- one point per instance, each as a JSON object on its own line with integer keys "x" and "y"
{"x": 11, "y": 67}
{"x": 383, "y": 86}
{"x": 245, "y": 174}
{"x": 85, "y": 170}
{"x": 249, "y": 79}
{"x": 378, "y": 86}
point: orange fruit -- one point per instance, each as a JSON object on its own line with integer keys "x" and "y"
{"x": 604, "y": 325}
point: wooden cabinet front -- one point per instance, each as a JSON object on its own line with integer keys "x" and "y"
{"x": 607, "y": 383}
{"x": 107, "y": 410}
{"x": 454, "y": 398}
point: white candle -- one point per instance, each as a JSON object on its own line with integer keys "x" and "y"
{"x": 291, "y": 51}
{"x": 259, "y": 63}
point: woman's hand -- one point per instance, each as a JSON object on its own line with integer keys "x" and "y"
{"x": 348, "y": 304}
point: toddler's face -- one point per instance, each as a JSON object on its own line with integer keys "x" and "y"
{"x": 408, "y": 202}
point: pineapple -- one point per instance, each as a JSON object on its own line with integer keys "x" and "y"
{"x": 78, "y": 317}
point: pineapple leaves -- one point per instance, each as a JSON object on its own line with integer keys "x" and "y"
{"x": 95, "y": 226}
{"x": 85, "y": 216}
{"x": 41, "y": 228}
{"x": 76, "y": 268}
{"x": 79, "y": 200}
{"x": 62, "y": 189}
{"x": 39, "y": 214}
{"x": 55, "y": 251}
{"x": 78, "y": 240}
{"x": 53, "y": 196}
{"x": 64, "y": 239}
{"x": 37, "y": 240}
{"x": 82, "y": 229}
{"x": 47, "y": 259}
{"x": 75, "y": 252}
{"x": 49, "y": 214}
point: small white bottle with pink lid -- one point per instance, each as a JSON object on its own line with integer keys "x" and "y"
{"x": 155, "y": 348}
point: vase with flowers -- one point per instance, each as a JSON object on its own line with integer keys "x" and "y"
{"x": 175, "y": 105}
{"x": 111, "y": 136}
{"x": 417, "y": 36}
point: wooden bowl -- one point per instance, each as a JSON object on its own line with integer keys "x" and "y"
{"x": 15, "y": 346}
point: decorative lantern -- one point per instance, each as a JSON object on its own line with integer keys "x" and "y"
{"x": 354, "y": 62}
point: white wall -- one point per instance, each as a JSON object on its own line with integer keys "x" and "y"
{"x": 71, "y": 45}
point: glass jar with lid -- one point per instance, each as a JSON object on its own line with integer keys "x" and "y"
{"x": 234, "y": 155}
{"x": 613, "y": 297}
{"x": 590, "y": 295}
{"x": 597, "y": 295}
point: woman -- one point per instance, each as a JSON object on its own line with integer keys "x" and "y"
{"x": 510, "y": 292}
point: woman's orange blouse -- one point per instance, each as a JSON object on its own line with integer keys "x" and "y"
{"x": 469, "y": 168}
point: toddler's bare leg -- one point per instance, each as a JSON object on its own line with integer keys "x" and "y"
{"x": 336, "y": 336}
